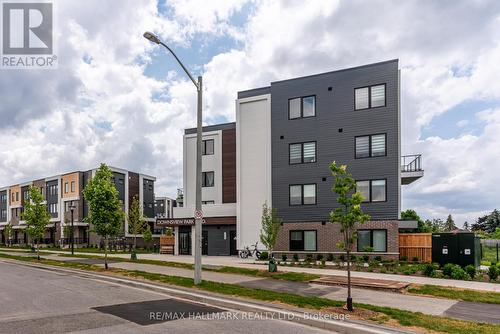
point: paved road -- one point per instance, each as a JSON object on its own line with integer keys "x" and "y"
{"x": 40, "y": 301}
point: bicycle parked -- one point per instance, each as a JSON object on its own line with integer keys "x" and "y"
{"x": 246, "y": 252}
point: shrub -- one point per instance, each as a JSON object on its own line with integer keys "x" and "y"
{"x": 415, "y": 259}
{"x": 383, "y": 271}
{"x": 319, "y": 257}
{"x": 437, "y": 274}
{"x": 435, "y": 265}
{"x": 470, "y": 270}
{"x": 264, "y": 256}
{"x": 403, "y": 258}
{"x": 309, "y": 258}
{"x": 296, "y": 257}
{"x": 330, "y": 257}
{"x": 447, "y": 268}
{"x": 342, "y": 257}
{"x": 353, "y": 258}
{"x": 322, "y": 262}
{"x": 366, "y": 258}
{"x": 283, "y": 257}
{"x": 493, "y": 273}
{"x": 378, "y": 258}
{"x": 458, "y": 273}
{"x": 428, "y": 270}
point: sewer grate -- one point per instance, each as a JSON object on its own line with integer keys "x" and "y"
{"x": 157, "y": 311}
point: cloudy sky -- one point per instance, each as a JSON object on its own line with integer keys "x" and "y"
{"x": 118, "y": 99}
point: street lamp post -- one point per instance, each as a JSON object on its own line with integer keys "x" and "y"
{"x": 72, "y": 208}
{"x": 198, "y": 213}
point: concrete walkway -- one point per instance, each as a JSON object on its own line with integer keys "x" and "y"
{"x": 233, "y": 261}
{"x": 427, "y": 305}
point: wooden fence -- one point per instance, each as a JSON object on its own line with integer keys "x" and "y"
{"x": 416, "y": 245}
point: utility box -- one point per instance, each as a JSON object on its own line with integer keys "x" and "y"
{"x": 462, "y": 248}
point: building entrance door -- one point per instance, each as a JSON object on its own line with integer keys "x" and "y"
{"x": 185, "y": 243}
{"x": 204, "y": 243}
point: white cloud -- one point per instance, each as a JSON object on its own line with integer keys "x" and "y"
{"x": 108, "y": 109}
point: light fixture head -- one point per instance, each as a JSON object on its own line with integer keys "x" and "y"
{"x": 151, "y": 37}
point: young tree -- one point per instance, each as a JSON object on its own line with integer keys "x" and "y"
{"x": 271, "y": 225}
{"x": 36, "y": 216}
{"x": 466, "y": 226}
{"x": 136, "y": 224}
{"x": 347, "y": 214}
{"x": 8, "y": 233}
{"x": 147, "y": 235}
{"x": 105, "y": 209}
{"x": 449, "y": 224}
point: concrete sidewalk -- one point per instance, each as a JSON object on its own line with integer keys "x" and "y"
{"x": 427, "y": 305}
{"x": 233, "y": 261}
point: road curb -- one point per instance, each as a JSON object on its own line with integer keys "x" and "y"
{"x": 291, "y": 315}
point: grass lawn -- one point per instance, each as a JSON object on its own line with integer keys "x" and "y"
{"x": 457, "y": 294}
{"x": 382, "y": 314}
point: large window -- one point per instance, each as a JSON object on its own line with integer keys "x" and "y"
{"x": 301, "y": 153}
{"x": 369, "y": 97}
{"x": 302, "y": 107}
{"x": 372, "y": 240}
{"x": 73, "y": 186}
{"x": 370, "y": 146}
{"x": 66, "y": 187}
{"x": 303, "y": 194}
{"x": 3, "y": 214}
{"x": 372, "y": 190}
{"x": 303, "y": 241}
{"x": 207, "y": 179}
{"x": 207, "y": 147}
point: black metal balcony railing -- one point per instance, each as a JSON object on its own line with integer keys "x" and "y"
{"x": 411, "y": 163}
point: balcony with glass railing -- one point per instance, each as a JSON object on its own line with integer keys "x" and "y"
{"x": 411, "y": 168}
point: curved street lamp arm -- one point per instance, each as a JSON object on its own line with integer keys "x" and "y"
{"x": 182, "y": 65}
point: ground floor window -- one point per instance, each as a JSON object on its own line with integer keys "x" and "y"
{"x": 372, "y": 240}
{"x": 303, "y": 241}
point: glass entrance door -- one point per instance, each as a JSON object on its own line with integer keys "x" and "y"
{"x": 185, "y": 243}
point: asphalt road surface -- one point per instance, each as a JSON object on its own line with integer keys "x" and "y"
{"x": 40, "y": 301}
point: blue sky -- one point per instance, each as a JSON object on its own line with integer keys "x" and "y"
{"x": 117, "y": 98}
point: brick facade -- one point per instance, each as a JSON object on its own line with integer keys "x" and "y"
{"x": 328, "y": 235}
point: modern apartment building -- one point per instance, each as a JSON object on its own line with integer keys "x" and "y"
{"x": 61, "y": 192}
{"x": 279, "y": 152}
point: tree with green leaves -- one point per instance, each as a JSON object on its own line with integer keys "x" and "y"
{"x": 466, "y": 226}
{"x": 411, "y": 214}
{"x": 271, "y": 225}
{"x": 8, "y": 232}
{"x": 487, "y": 223}
{"x": 136, "y": 224}
{"x": 36, "y": 216}
{"x": 449, "y": 224}
{"x": 105, "y": 209}
{"x": 347, "y": 214}
{"x": 147, "y": 234}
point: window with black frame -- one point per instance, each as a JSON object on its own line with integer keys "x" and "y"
{"x": 302, "y": 107}
{"x": 207, "y": 179}
{"x": 207, "y": 147}
{"x": 301, "y": 153}
{"x": 303, "y": 241}
{"x": 372, "y": 240}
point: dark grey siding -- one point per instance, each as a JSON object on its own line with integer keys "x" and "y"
{"x": 216, "y": 243}
{"x": 216, "y": 127}
{"x": 3, "y": 205}
{"x": 119, "y": 181}
{"x": 148, "y": 193}
{"x": 254, "y": 92}
{"x": 52, "y": 198}
{"x": 334, "y": 111}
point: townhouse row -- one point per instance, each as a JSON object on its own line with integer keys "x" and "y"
{"x": 64, "y": 191}
{"x": 278, "y": 152}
